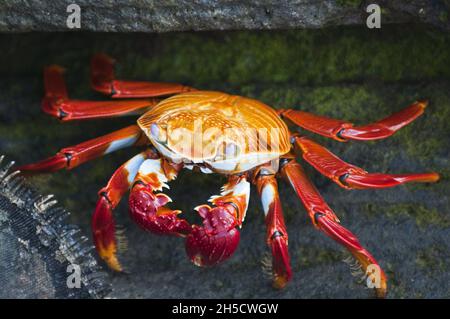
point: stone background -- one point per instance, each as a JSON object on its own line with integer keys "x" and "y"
{"x": 200, "y": 15}
{"x": 349, "y": 72}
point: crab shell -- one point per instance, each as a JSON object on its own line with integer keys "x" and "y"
{"x": 216, "y": 131}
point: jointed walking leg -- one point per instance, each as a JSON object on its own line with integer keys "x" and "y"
{"x": 57, "y": 103}
{"x": 103, "y": 225}
{"x": 349, "y": 176}
{"x": 276, "y": 235}
{"x": 103, "y": 80}
{"x": 342, "y": 130}
{"x": 324, "y": 219}
{"x": 73, "y": 156}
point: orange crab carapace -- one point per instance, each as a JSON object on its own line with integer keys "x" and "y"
{"x": 214, "y": 132}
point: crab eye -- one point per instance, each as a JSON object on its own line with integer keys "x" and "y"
{"x": 227, "y": 151}
{"x": 158, "y": 133}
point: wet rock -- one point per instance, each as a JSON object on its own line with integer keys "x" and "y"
{"x": 164, "y": 16}
{"x": 39, "y": 250}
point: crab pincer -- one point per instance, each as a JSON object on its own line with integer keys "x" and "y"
{"x": 217, "y": 239}
{"x": 147, "y": 208}
{"x": 149, "y": 212}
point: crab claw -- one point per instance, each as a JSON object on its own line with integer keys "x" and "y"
{"x": 217, "y": 239}
{"x": 149, "y": 212}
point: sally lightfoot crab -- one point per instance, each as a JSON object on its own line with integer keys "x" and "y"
{"x": 214, "y": 132}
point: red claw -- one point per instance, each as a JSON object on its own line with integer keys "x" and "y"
{"x": 149, "y": 212}
{"x": 217, "y": 239}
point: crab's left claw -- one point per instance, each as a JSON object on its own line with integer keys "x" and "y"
{"x": 217, "y": 239}
{"x": 150, "y": 212}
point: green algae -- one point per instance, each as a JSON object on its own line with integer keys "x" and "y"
{"x": 423, "y": 216}
{"x": 432, "y": 259}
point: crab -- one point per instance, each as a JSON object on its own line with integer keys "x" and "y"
{"x": 214, "y": 132}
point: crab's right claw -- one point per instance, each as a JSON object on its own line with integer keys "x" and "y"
{"x": 217, "y": 239}
{"x": 149, "y": 211}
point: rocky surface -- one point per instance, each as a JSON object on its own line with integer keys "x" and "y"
{"x": 39, "y": 249}
{"x": 350, "y": 73}
{"x": 164, "y": 16}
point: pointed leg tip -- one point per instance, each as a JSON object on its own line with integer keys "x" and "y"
{"x": 108, "y": 253}
{"x": 282, "y": 272}
{"x": 381, "y": 292}
{"x": 425, "y": 178}
{"x": 434, "y": 177}
{"x": 48, "y": 165}
{"x": 423, "y": 103}
{"x": 280, "y": 282}
{"x": 104, "y": 234}
{"x": 113, "y": 263}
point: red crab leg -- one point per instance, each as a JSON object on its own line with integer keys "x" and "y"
{"x": 325, "y": 220}
{"x": 57, "y": 103}
{"x": 350, "y": 176}
{"x": 276, "y": 236}
{"x": 342, "y": 131}
{"x": 103, "y": 80}
{"x": 103, "y": 225}
{"x": 147, "y": 203}
{"x": 76, "y": 155}
{"x": 217, "y": 239}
